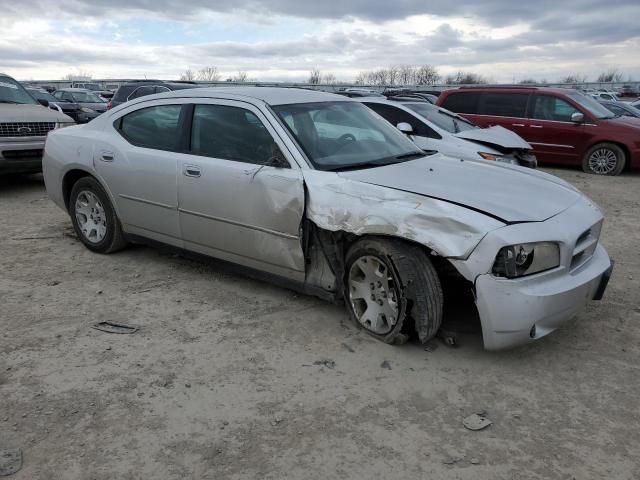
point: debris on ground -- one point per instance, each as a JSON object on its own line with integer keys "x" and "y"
{"x": 386, "y": 365}
{"x": 430, "y": 346}
{"x": 349, "y": 347}
{"x": 111, "y": 327}
{"x": 476, "y": 421}
{"x": 448, "y": 337}
{"x": 326, "y": 363}
{"x": 10, "y": 461}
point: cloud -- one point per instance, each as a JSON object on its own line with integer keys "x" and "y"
{"x": 284, "y": 39}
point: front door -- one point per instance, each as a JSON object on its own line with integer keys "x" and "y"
{"x": 233, "y": 204}
{"x": 139, "y": 163}
{"x": 551, "y": 133}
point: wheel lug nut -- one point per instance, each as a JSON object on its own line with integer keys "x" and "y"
{"x": 380, "y": 302}
{"x": 372, "y": 286}
{"x": 379, "y": 284}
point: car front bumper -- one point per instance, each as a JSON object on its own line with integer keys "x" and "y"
{"x": 515, "y": 312}
{"x": 519, "y": 310}
{"x": 21, "y": 156}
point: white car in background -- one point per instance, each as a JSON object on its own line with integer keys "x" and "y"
{"x": 436, "y": 129}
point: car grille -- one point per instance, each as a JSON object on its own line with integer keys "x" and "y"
{"x": 585, "y": 246}
{"x": 26, "y": 129}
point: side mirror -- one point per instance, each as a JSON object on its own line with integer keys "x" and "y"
{"x": 405, "y": 127}
{"x": 577, "y": 117}
{"x": 44, "y": 103}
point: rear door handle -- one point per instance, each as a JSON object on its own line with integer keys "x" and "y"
{"x": 106, "y": 156}
{"x": 192, "y": 171}
{"x": 536, "y": 126}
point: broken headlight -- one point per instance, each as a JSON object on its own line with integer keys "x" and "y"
{"x": 526, "y": 259}
{"x": 498, "y": 158}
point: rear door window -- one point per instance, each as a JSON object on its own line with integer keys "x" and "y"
{"x": 152, "y": 127}
{"x": 504, "y": 104}
{"x": 142, "y": 91}
{"x": 547, "y": 107}
{"x": 462, "y": 102}
{"x": 395, "y": 115}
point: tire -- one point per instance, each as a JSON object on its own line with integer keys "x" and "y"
{"x": 412, "y": 286}
{"x": 102, "y": 233}
{"x": 604, "y": 159}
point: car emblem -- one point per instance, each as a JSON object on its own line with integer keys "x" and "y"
{"x": 24, "y": 130}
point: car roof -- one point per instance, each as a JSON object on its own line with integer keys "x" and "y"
{"x": 268, "y": 95}
{"x": 74, "y": 90}
{"x": 510, "y": 88}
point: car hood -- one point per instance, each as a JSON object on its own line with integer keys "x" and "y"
{"x": 10, "y": 112}
{"x": 509, "y": 194}
{"x": 497, "y": 135}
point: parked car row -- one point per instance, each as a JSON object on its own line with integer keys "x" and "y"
{"x": 319, "y": 191}
{"x": 563, "y": 126}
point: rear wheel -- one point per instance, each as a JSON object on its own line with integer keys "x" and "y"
{"x": 604, "y": 159}
{"x": 94, "y": 218}
{"x": 390, "y": 287}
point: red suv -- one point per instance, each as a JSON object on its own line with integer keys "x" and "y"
{"x": 563, "y": 126}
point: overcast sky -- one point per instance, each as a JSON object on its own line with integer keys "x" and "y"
{"x": 504, "y": 40}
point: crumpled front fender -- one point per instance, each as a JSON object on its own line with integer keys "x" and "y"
{"x": 338, "y": 204}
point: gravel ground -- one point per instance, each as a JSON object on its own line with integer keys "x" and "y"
{"x": 232, "y": 378}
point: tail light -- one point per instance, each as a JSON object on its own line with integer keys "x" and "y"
{"x": 109, "y": 105}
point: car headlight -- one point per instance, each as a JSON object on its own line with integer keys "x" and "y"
{"x": 64, "y": 124}
{"x": 526, "y": 259}
{"x": 86, "y": 110}
{"x": 497, "y": 158}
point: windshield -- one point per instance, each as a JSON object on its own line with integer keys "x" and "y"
{"x": 444, "y": 119}
{"x": 343, "y": 135}
{"x": 595, "y": 108}
{"x": 42, "y": 95}
{"x": 12, "y": 92}
{"x": 87, "y": 97}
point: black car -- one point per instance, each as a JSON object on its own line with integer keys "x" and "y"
{"x": 629, "y": 91}
{"x": 141, "y": 88}
{"x": 622, "y": 109}
{"x": 78, "y": 113}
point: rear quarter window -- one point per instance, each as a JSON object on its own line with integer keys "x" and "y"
{"x": 462, "y": 102}
{"x": 504, "y": 104}
{"x": 152, "y": 127}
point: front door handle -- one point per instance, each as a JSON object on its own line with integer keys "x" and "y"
{"x": 192, "y": 171}
{"x": 106, "y": 156}
{"x": 536, "y": 126}
{"x": 517, "y": 124}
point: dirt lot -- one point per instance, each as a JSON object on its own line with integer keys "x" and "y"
{"x": 233, "y": 378}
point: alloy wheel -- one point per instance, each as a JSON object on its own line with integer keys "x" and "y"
{"x": 603, "y": 161}
{"x": 91, "y": 216}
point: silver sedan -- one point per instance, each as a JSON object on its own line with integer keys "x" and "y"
{"x": 320, "y": 191}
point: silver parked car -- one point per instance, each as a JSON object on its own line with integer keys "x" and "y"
{"x": 317, "y": 189}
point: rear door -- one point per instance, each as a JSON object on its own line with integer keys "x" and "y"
{"x": 137, "y": 157}
{"x": 506, "y": 109}
{"x": 552, "y": 134}
{"x": 232, "y": 204}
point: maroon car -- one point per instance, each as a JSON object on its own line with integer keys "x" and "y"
{"x": 563, "y": 126}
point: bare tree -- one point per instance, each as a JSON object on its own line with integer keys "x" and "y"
{"x": 81, "y": 75}
{"x": 465, "y": 78}
{"x": 241, "y": 76}
{"x": 328, "y": 79}
{"x": 209, "y": 74}
{"x": 611, "y": 75}
{"x": 393, "y": 74}
{"x": 315, "y": 76}
{"x": 427, "y": 75}
{"x": 527, "y": 81}
{"x": 576, "y": 78}
{"x": 406, "y": 75}
{"x": 361, "y": 79}
{"x": 188, "y": 75}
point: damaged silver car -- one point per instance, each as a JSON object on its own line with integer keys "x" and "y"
{"x": 318, "y": 190}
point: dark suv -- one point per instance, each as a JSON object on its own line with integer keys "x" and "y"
{"x": 563, "y": 126}
{"x": 141, "y": 88}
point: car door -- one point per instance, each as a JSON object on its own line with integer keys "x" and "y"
{"x": 505, "y": 109}
{"x": 424, "y": 136}
{"x": 137, "y": 157}
{"x": 233, "y": 204}
{"x": 552, "y": 134}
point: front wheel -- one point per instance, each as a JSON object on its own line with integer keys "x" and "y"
{"x": 604, "y": 159}
{"x": 390, "y": 287}
{"x": 94, "y": 218}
